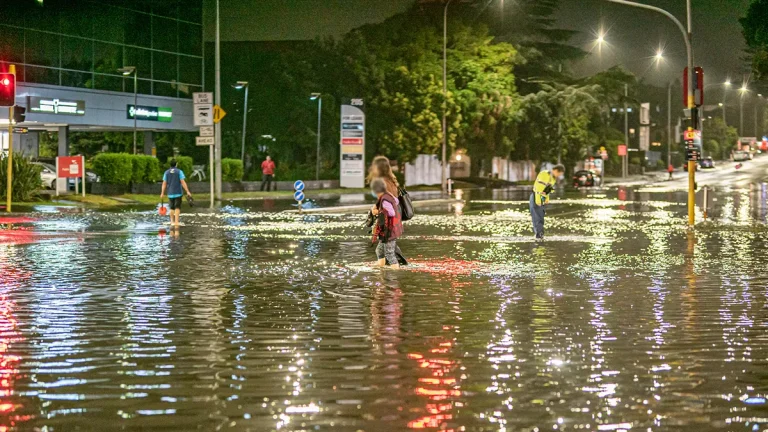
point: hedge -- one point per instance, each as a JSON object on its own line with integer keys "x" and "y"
{"x": 184, "y": 163}
{"x": 232, "y": 170}
{"x": 114, "y": 168}
{"x": 124, "y": 168}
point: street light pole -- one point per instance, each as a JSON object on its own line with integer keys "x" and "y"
{"x": 319, "y": 98}
{"x": 239, "y": 85}
{"x": 217, "y": 99}
{"x": 126, "y": 71}
{"x": 670, "y": 140}
{"x": 444, "y": 175}
{"x": 625, "y": 159}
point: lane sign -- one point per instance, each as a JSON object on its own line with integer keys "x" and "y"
{"x": 204, "y": 141}
{"x": 203, "y": 115}
{"x": 202, "y": 98}
{"x": 218, "y": 113}
{"x": 206, "y": 131}
{"x": 298, "y": 185}
{"x": 298, "y": 196}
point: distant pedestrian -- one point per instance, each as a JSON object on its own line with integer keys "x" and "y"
{"x": 670, "y": 170}
{"x": 381, "y": 168}
{"x": 388, "y": 226}
{"x": 267, "y": 173}
{"x": 542, "y": 188}
{"x": 174, "y": 184}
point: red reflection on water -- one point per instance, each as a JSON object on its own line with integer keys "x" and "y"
{"x": 9, "y": 363}
{"x": 445, "y": 267}
{"x": 440, "y": 388}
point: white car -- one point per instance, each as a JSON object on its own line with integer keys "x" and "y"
{"x": 741, "y": 156}
{"x": 47, "y": 175}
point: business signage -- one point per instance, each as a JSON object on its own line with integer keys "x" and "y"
{"x": 41, "y": 105}
{"x": 352, "y": 143}
{"x": 149, "y": 113}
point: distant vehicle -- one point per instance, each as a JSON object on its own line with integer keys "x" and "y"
{"x": 90, "y": 177}
{"x": 586, "y": 178}
{"x": 741, "y": 156}
{"x": 707, "y": 163}
{"x": 47, "y": 175}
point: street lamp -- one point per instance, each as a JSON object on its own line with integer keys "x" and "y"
{"x": 127, "y": 71}
{"x": 238, "y": 86}
{"x": 319, "y": 98}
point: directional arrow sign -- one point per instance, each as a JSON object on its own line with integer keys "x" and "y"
{"x": 298, "y": 196}
{"x": 218, "y": 113}
{"x": 298, "y": 185}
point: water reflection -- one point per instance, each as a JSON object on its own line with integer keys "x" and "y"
{"x": 247, "y": 320}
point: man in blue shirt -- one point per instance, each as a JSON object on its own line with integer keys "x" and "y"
{"x": 173, "y": 182}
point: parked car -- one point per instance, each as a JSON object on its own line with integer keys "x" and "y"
{"x": 707, "y": 163}
{"x": 90, "y": 177}
{"x": 585, "y": 178}
{"x": 47, "y": 175}
{"x": 741, "y": 156}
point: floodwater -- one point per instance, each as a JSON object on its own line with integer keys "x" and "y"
{"x": 256, "y": 321}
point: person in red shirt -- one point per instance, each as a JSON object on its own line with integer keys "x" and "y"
{"x": 670, "y": 170}
{"x": 267, "y": 171}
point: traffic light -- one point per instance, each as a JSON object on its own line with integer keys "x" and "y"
{"x": 7, "y": 89}
{"x": 19, "y": 114}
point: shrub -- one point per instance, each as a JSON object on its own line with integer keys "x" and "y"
{"x": 26, "y": 179}
{"x": 114, "y": 168}
{"x": 232, "y": 170}
{"x": 184, "y": 163}
{"x": 151, "y": 169}
{"x": 139, "y": 168}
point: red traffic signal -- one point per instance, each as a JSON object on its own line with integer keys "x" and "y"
{"x": 698, "y": 87}
{"x": 7, "y": 89}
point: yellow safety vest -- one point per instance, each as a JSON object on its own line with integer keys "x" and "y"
{"x": 544, "y": 179}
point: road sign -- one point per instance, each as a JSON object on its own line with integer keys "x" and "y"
{"x": 203, "y": 114}
{"x": 298, "y": 185}
{"x": 20, "y": 130}
{"x": 70, "y": 166}
{"x": 298, "y": 196}
{"x": 218, "y": 113}
{"x": 645, "y": 114}
{"x": 202, "y": 98}
{"x": 622, "y": 150}
{"x": 206, "y": 131}
{"x": 204, "y": 141}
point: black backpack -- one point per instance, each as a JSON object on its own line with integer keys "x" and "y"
{"x": 406, "y": 206}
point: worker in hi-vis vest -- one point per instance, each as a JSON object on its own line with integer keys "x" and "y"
{"x": 542, "y": 188}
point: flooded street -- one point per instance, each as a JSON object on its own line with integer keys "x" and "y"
{"x": 254, "y": 320}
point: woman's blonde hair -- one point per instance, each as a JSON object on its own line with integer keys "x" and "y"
{"x": 381, "y": 168}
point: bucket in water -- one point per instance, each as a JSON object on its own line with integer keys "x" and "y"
{"x": 163, "y": 210}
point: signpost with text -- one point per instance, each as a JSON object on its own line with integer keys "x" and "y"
{"x": 352, "y": 143}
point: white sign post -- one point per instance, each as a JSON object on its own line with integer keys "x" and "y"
{"x": 203, "y": 116}
{"x": 352, "y": 144}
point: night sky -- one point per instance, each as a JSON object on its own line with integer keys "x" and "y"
{"x": 633, "y": 34}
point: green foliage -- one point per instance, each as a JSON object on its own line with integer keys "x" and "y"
{"x": 231, "y": 170}
{"x": 755, "y": 30}
{"x": 114, "y": 168}
{"x": 26, "y": 179}
{"x": 715, "y": 130}
{"x": 124, "y": 168}
{"x": 184, "y": 163}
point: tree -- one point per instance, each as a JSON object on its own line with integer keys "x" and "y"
{"x": 755, "y": 30}
{"x": 725, "y": 137}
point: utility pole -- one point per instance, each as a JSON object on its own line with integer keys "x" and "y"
{"x": 625, "y": 159}
{"x": 444, "y": 173}
{"x": 670, "y": 139}
{"x": 217, "y": 99}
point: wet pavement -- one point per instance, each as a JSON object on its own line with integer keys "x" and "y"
{"x": 250, "y": 319}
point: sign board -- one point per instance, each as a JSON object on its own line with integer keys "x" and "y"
{"x": 41, "y": 105}
{"x": 203, "y": 114}
{"x": 70, "y": 166}
{"x": 204, "y": 141}
{"x": 645, "y": 114}
{"x": 645, "y": 138}
{"x": 20, "y": 130}
{"x": 622, "y": 150}
{"x": 218, "y": 113}
{"x": 298, "y": 196}
{"x": 206, "y": 131}
{"x": 352, "y": 143}
{"x": 205, "y": 98}
{"x": 150, "y": 113}
{"x": 298, "y": 185}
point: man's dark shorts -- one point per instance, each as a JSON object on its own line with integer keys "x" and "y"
{"x": 174, "y": 203}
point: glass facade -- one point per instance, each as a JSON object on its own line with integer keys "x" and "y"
{"x": 83, "y": 43}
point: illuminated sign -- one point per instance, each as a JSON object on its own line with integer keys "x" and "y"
{"x": 41, "y": 105}
{"x": 149, "y": 113}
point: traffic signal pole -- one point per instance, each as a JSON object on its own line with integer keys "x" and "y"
{"x": 9, "y": 185}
